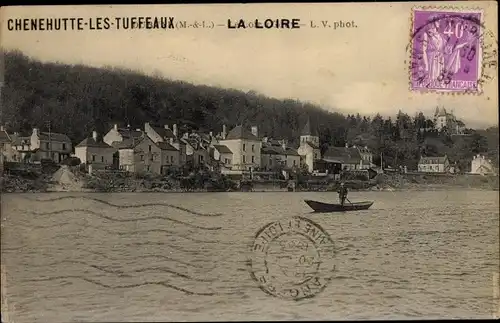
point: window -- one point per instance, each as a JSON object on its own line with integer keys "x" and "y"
{"x": 63, "y": 146}
{"x": 152, "y": 158}
{"x": 294, "y": 162}
{"x": 142, "y": 157}
{"x": 93, "y": 157}
{"x": 148, "y": 167}
{"x": 226, "y": 161}
{"x": 315, "y": 156}
{"x": 172, "y": 159}
{"x": 102, "y": 159}
{"x": 244, "y": 147}
{"x": 244, "y": 159}
{"x": 149, "y": 148}
{"x": 253, "y": 148}
{"x": 253, "y": 158}
{"x": 47, "y": 145}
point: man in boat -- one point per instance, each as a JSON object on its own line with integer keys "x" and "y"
{"x": 342, "y": 193}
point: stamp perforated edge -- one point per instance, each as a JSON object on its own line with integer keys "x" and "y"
{"x": 410, "y": 49}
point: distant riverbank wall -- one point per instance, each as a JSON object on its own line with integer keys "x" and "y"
{"x": 423, "y": 180}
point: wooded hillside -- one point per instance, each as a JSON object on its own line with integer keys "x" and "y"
{"x": 79, "y": 99}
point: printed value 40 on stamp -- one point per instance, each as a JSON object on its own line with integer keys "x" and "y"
{"x": 447, "y": 51}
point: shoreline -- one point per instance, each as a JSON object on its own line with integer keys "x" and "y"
{"x": 419, "y": 188}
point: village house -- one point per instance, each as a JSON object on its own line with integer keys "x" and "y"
{"x": 43, "y": 145}
{"x": 366, "y": 157}
{"x": 434, "y": 164}
{"x": 94, "y": 151}
{"x": 245, "y": 146}
{"x": 197, "y": 149}
{"x": 309, "y": 148}
{"x": 223, "y": 155}
{"x": 7, "y": 151}
{"x": 142, "y": 154}
{"x": 481, "y": 165}
{"x": 346, "y": 158}
{"x": 171, "y": 136}
{"x": 276, "y": 154}
{"x": 117, "y": 134}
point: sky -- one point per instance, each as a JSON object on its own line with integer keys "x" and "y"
{"x": 351, "y": 70}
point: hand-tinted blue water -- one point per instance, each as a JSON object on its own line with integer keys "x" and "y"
{"x": 412, "y": 255}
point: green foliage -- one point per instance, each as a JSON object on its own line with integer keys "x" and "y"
{"x": 79, "y": 99}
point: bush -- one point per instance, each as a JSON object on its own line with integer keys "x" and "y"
{"x": 71, "y": 161}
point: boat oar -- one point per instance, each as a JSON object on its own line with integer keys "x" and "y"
{"x": 349, "y": 201}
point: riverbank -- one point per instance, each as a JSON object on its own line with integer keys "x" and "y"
{"x": 66, "y": 179}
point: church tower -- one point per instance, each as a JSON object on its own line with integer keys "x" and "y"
{"x": 309, "y": 134}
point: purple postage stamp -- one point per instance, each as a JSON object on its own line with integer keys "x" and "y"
{"x": 446, "y": 51}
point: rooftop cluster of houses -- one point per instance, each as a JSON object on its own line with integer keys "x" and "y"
{"x": 155, "y": 149}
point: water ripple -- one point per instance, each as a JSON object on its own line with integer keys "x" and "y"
{"x": 160, "y": 283}
{"x": 129, "y": 206}
{"x": 125, "y": 220}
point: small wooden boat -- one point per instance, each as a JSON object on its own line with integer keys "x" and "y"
{"x": 326, "y": 207}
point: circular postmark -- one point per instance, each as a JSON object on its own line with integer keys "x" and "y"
{"x": 292, "y": 258}
{"x": 451, "y": 51}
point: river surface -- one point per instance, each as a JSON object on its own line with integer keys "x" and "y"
{"x": 117, "y": 257}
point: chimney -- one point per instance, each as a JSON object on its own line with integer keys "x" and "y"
{"x": 366, "y": 147}
{"x": 115, "y": 127}
{"x": 264, "y": 139}
{"x": 346, "y": 145}
{"x": 254, "y": 131}
{"x": 1, "y": 128}
{"x": 211, "y": 134}
{"x": 94, "y": 135}
{"x": 166, "y": 126}
{"x": 224, "y": 132}
{"x": 174, "y": 129}
{"x": 35, "y": 131}
{"x": 171, "y": 141}
{"x": 283, "y": 144}
{"x": 146, "y": 125}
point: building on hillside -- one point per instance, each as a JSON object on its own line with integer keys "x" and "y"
{"x": 309, "y": 149}
{"x": 347, "y": 158}
{"x": 443, "y": 119}
{"x": 171, "y": 136}
{"x": 275, "y": 154}
{"x": 481, "y": 165}
{"x": 7, "y": 151}
{"x": 117, "y": 134}
{"x": 434, "y": 165}
{"x": 366, "y": 157}
{"x": 94, "y": 151}
{"x": 43, "y": 145}
{"x": 142, "y": 154}
{"x": 245, "y": 146}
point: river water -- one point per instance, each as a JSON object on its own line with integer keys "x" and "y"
{"x": 116, "y": 257}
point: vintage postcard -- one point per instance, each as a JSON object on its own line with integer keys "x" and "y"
{"x": 223, "y": 162}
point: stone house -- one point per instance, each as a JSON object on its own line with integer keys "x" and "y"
{"x": 245, "y": 146}
{"x": 434, "y": 164}
{"x": 94, "y": 151}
